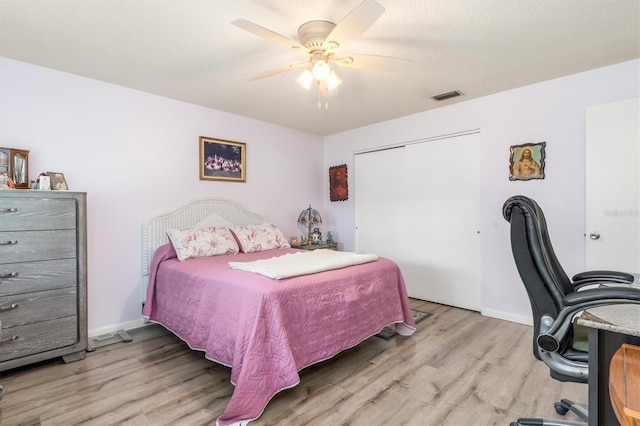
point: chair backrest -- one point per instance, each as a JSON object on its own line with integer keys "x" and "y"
{"x": 544, "y": 278}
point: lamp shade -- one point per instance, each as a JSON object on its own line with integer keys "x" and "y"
{"x": 320, "y": 70}
{"x": 305, "y": 79}
{"x": 333, "y": 81}
{"x": 309, "y": 216}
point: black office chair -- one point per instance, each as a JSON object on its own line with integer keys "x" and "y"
{"x": 555, "y": 299}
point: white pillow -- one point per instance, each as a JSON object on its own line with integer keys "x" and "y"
{"x": 202, "y": 242}
{"x": 259, "y": 237}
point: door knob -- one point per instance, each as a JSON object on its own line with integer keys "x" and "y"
{"x": 594, "y": 235}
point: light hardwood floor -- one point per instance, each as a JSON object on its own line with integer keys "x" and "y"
{"x": 459, "y": 368}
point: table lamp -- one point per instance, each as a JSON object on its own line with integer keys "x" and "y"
{"x": 309, "y": 218}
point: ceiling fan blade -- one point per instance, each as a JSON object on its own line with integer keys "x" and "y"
{"x": 353, "y": 25}
{"x": 372, "y": 62}
{"x": 268, "y": 35}
{"x": 279, "y": 70}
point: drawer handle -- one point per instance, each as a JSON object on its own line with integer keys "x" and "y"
{"x": 8, "y": 243}
{"x": 9, "y": 210}
{"x": 10, "y": 339}
{"x": 10, "y": 307}
{"x": 9, "y": 275}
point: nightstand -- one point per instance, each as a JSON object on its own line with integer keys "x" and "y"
{"x": 330, "y": 246}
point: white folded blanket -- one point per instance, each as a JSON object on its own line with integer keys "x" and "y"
{"x": 303, "y": 263}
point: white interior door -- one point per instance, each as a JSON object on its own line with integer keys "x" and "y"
{"x": 613, "y": 186}
{"x": 419, "y": 206}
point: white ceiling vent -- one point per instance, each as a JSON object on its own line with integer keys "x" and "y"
{"x": 448, "y": 95}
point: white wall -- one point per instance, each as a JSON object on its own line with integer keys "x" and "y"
{"x": 552, "y": 111}
{"x": 137, "y": 154}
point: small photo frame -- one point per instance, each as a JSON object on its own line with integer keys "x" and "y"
{"x": 527, "y": 161}
{"x": 57, "y": 181}
{"x": 338, "y": 186}
{"x": 222, "y": 160}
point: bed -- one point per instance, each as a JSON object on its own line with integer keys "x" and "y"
{"x": 266, "y": 330}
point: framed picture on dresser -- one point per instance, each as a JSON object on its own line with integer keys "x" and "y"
{"x": 58, "y": 182}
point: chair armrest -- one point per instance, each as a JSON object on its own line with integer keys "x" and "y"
{"x": 553, "y": 331}
{"x": 590, "y": 277}
{"x": 557, "y": 328}
{"x": 600, "y": 296}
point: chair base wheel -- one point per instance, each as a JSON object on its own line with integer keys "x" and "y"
{"x": 561, "y": 408}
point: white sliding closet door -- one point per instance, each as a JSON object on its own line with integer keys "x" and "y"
{"x": 419, "y": 205}
{"x": 379, "y": 193}
{"x": 443, "y": 204}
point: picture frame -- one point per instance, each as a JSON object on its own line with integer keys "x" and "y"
{"x": 223, "y": 160}
{"x": 527, "y": 161}
{"x": 14, "y": 164}
{"x": 57, "y": 181}
{"x": 338, "y": 183}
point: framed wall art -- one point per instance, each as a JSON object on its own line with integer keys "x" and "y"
{"x": 338, "y": 187}
{"x": 222, "y": 160}
{"x": 57, "y": 181}
{"x": 527, "y": 161}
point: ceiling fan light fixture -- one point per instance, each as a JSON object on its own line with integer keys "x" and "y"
{"x": 320, "y": 41}
{"x": 333, "y": 81}
{"x": 321, "y": 70}
{"x": 305, "y": 79}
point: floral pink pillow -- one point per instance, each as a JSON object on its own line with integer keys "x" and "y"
{"x": 202, "y": 242}
{"x": 260, "y": 237}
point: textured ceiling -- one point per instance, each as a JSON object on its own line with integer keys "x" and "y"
{"x": 189, "y": 50}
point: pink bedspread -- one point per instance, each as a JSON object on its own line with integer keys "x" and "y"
{"x": 267, "y": 330}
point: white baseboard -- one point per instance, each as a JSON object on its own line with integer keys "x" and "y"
{"x": 129, "y": 325}
{"x": 521, "y": 319}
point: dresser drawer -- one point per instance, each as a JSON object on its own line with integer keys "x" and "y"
{"x": 29, "y": 308}
{"x": 38, "y": 337}
{"x": 29, "y": 246}
{"x": 23, "y": 214}
{"x": 27, "y": 277}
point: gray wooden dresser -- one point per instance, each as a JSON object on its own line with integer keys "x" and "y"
{"x": 43, "y": 276}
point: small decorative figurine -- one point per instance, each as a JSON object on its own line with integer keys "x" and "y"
{"x": 329, "y": 237}
{"x": 6, "y": 182}
{"x": 316, "y": 236}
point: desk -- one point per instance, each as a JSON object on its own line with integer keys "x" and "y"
{"x": 609, "y": 327}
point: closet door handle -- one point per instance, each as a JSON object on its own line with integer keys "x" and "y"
{"x": 8, "y": 210}
{"x": 8, "y": 242}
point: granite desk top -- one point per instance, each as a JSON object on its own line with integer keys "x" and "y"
{"x": 617, "y": 318}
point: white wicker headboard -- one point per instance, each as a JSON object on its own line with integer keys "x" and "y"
{"x": 201, "y": 212}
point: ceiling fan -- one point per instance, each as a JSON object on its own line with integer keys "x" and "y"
{"x": 321, "y": 42}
